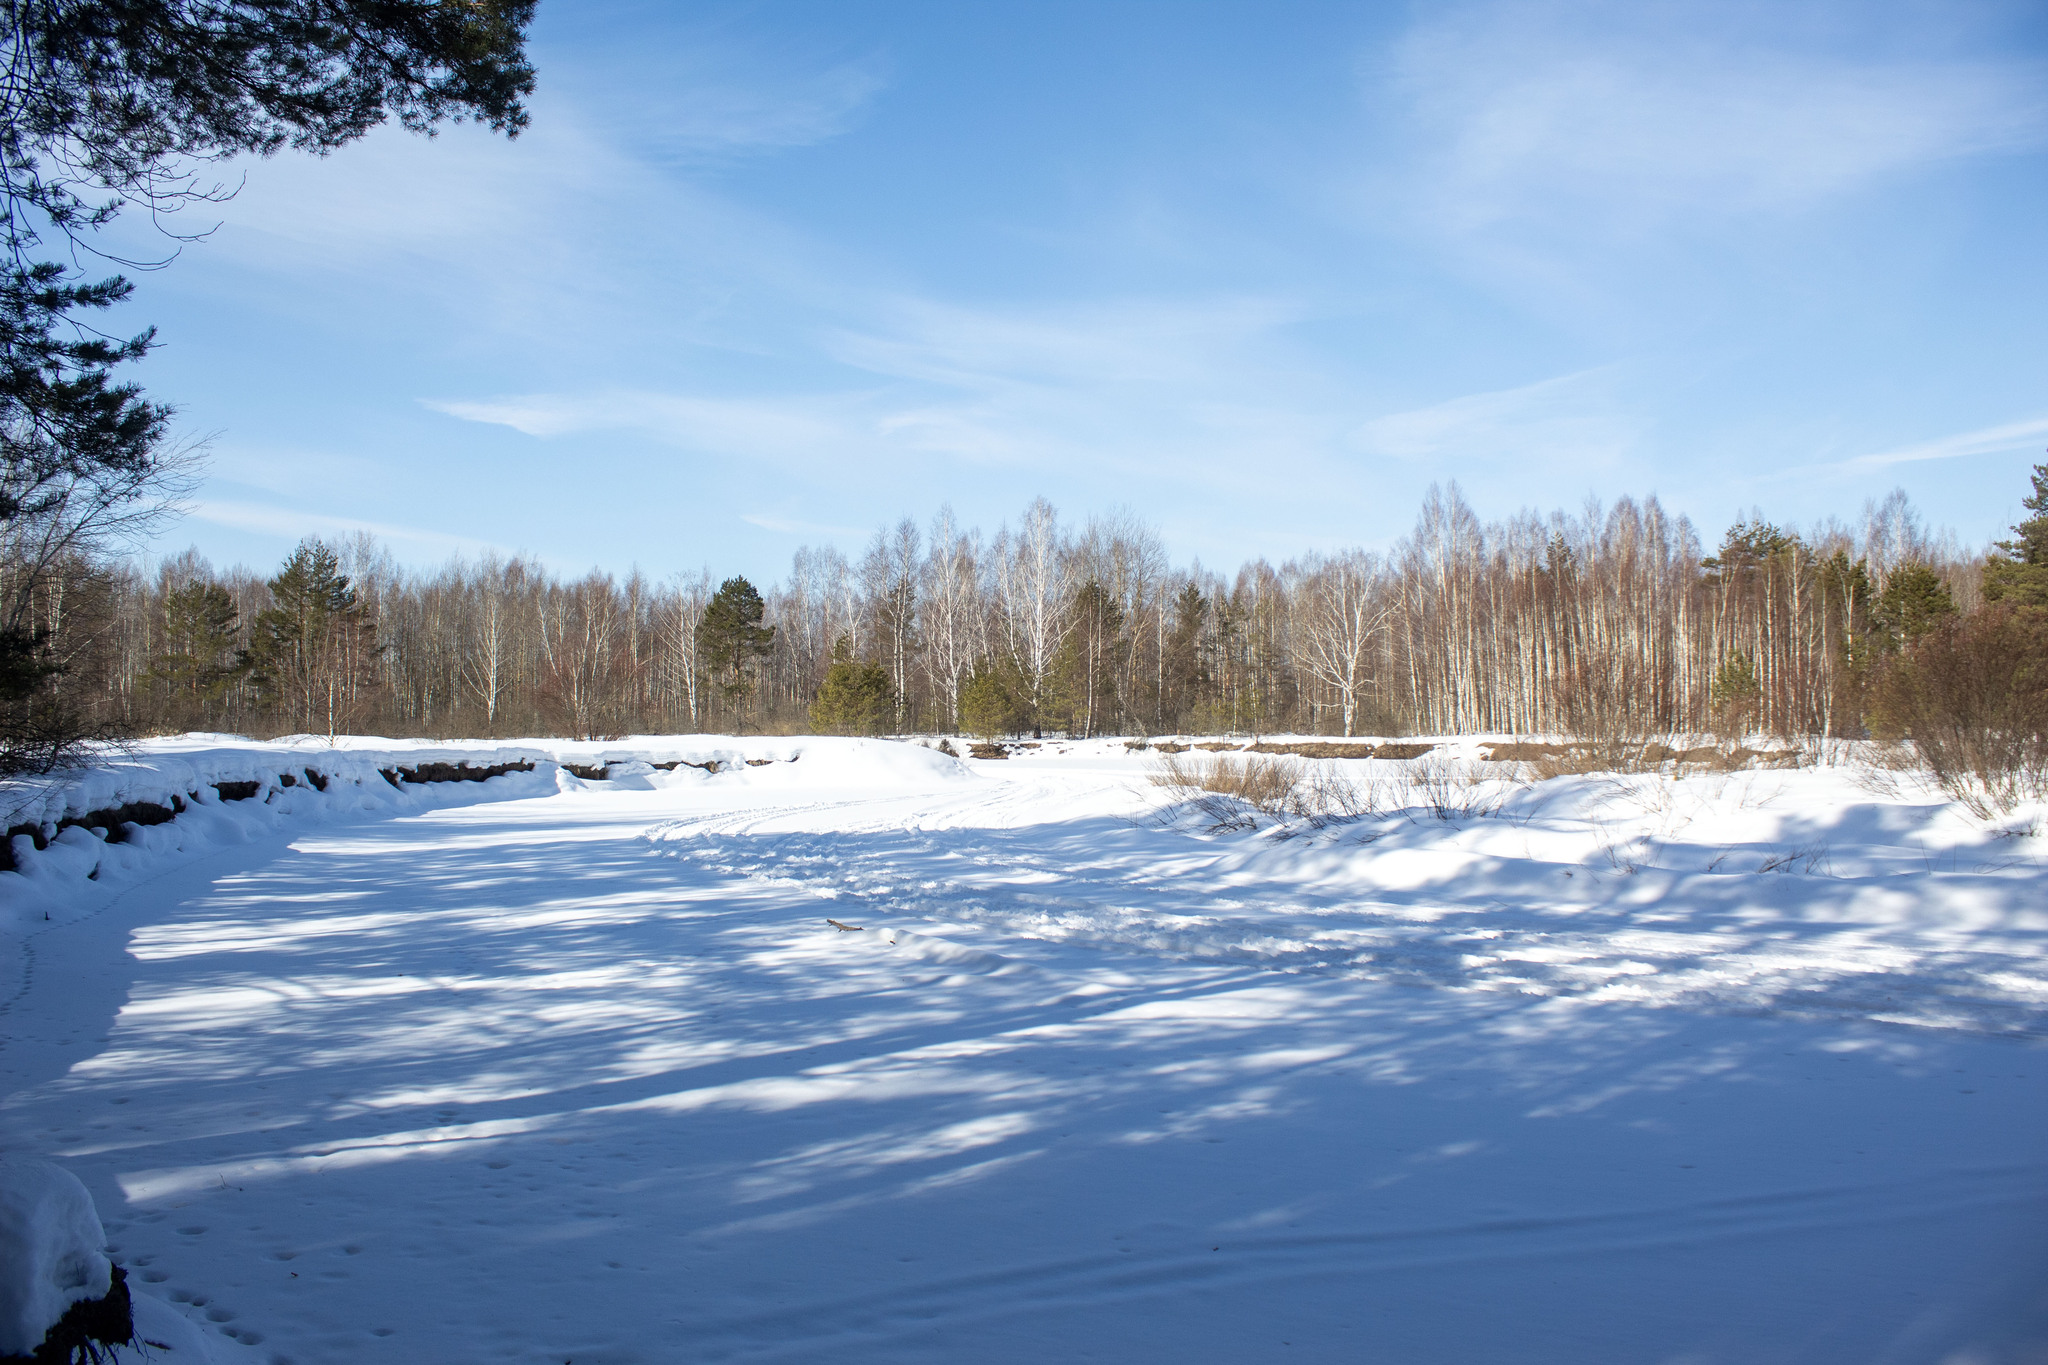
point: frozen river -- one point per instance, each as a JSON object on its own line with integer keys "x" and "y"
{"x": 587, "y": 1076}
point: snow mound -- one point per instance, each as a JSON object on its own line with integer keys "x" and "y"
{"x": 865, "y": 763}
{"x": 52, "y": 1250}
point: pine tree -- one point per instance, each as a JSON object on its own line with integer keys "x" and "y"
{"x": 1184, "y": 675}
{"x": 310, "y": 651}
{"x": 991, "y": 702}
{"x": 1088, "y": 661}
{"x": 198, "y": 661}
{"x": 2019, "y": 574}
{"x": 1749, "y": 550}
{"x": 110, "y": 103}
{"x": 731, "y": 637}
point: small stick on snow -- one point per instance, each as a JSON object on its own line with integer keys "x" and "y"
{"x": 848, "y": 928}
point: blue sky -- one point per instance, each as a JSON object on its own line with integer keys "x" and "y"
{"x": 768, "y": 274}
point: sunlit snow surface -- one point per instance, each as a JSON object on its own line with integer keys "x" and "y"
{"x": 586, "y": 1075}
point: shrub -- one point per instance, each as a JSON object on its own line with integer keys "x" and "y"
{"x": 1450, "y": 790}
{"x": 1972, "y": 694}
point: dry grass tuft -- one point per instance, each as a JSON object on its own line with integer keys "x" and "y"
{"x": 1453, "y": 791}
{"x": 1231, "y": 793}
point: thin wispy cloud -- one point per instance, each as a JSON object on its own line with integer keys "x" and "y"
{"x": 772, "y": 428}
{"x": 293, "y": 523}
{"x": 1571, "y": 424}
{"x": 1637, "y": 113}
{"x": 295, "y": 471}
{"x": 1116, "y": 382}
{"x": 792, "y": 526}
{"x": 702, "y": 113}
{"x": 578, "y": 233}
{"x": 1097, "y": 343}
{"x": 1996, "y": 440}
{"x": 1099, "y": 387}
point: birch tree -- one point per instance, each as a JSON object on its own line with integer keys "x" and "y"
{"x": 952, "y": 603}
{"x": 1337, "y": 620}
{"x": 1033, "y": 580}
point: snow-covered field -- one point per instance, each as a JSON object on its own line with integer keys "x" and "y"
{"x": 1738, "y": 1068}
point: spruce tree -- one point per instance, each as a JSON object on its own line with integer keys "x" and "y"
{"x": 1847, "y": 611}
{"x": 1735, "y": 693}
{"x": 1913, "y": 602}
{"x": 1183, "y": 674}
{"x": 1086, "y": 670}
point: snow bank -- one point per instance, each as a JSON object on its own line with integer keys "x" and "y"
{"x": 127, "y": 815}
{"x": 52, "y": 1251}
{"x": 133, "y": 810}
{"x": 163, "y": 771}
{"x": 859, "y": 763}
{"x": 820, "y": 760}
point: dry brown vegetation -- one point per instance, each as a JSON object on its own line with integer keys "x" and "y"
{"x": 1327, "y": 749}
{"x": 1317, "y": 749}
{"x": 1578, "y": 757}
{"x": 1451, "y": 790}
{"x": 1232, "y": 792}
{"x": 1973, "y": 697}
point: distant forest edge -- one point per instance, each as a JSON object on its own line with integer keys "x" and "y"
{"x": 1609, "y": 622}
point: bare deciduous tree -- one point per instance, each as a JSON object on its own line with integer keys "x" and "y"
{"x": 1338, "y": 617}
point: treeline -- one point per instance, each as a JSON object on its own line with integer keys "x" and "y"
{"x": 1607, "y": 621}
